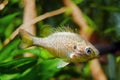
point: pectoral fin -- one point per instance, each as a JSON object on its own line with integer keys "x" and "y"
{"x": 62, "y": 64}
{"x": 72, "y": 55}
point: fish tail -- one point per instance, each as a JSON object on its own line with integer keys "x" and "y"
{"x": 26, "y": 39}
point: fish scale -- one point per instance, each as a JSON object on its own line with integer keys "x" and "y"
{"x": 68, "y": 46}
{"x": 55, "y": 43}
{"x": 65, "y": 41}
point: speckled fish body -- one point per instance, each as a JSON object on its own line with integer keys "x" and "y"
{"x": 68, "y": 46}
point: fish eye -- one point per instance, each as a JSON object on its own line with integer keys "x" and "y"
{"x": 88, "y": 50}
{"x": 75, "y": 47}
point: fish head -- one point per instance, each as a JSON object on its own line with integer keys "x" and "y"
{"x": 84, "y": 53}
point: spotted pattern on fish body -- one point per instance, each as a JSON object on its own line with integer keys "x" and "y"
{"x": 68, "y": 46}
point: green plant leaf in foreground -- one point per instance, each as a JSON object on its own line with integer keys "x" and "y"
{"x": 17, "y": 65}
{"x": 44, "y": 70}
{"x": 6, "y": 20}
{"x": 6, "y": 50}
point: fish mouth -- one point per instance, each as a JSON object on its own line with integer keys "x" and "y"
{"x": 97, "y": 55}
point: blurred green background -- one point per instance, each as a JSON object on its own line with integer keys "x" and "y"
{"x": 102, "y": 15}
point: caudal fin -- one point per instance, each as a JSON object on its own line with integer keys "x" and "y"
{"x": 26, "y": 39}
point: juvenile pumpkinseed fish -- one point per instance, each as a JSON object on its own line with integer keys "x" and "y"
{"x": 68, "y": 46}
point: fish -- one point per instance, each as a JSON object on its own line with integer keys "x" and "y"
{"x": 69, "y": 46}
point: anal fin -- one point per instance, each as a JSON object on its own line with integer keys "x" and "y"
{"x": 62, "y": 64}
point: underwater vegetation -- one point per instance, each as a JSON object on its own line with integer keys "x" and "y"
{"x": 95, "y": 22}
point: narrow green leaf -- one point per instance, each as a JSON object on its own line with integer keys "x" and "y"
{"x": 111, "y": 67}
{"x": 6, "y": 50}
{"x": 44, "y": 70}
{"x": 9, "y": 30}
{"x": 7, "y": 19}
{"x": 17, "y": 65}
{"x": 77, "y": 1}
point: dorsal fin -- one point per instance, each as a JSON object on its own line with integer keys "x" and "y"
{"x": 64, "y": 29}
{"x": 47, "y": 30}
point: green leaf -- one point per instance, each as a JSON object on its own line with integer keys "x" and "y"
{"x": 1, "y": 45}
{"x": 77, "y": 1}
{"x": 110, "y": 8}
{"x": 6, "y": 50}
{"x": 17, "y": 65}
{"x": 111, "y": 67}
{"x": 8, "y": 76}
{"x": 86, "y": 70}
{"x": 43, "y": 71}
{"x": 118, "y": 59}
{"x": 118, "y": 68}
{"x": 42, "y": 53}
{"x": 14, "y": 1}
{"x": 109, "y": 30}
{"x": 9, "y": 30}
{"x": 90, "y": 22}
{"x": 5, "y": 21}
